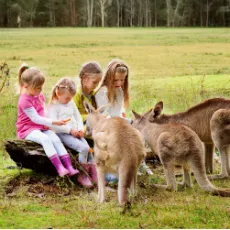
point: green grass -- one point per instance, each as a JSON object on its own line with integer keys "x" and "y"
{"x": 181, "y": 67}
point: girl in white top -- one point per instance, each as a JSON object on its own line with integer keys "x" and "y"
{"x": 114, "y": 89}
{"x": 72, "y": 133}
{"x": 115, "y": 92}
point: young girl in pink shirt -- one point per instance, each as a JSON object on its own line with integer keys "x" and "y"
{"x": 33, "y": 125}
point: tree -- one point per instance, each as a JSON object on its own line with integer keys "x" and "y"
{"x": 169, "y": 12}
{"x": 176, "y": 15}
{"x": 104, "y": 4}
{"x": 90, "y": 5}
{"x": 4, "y": 76}
{"x": 72, "y": 10}
{"x": 27, "y": 10}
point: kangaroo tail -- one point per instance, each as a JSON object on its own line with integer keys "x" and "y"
{"x": 221, "y": 192}
{"x": 203, "y": 181}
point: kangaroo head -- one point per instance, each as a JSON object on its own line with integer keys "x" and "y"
{"x": 140, "y": 121}
{"x": 156, "y": 112}
{"x": 94, "y": 115}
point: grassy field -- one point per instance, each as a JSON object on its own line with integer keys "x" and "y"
{"x": 181, "y": 67}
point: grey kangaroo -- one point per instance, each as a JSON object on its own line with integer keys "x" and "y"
{"x": 198, "y": 119}
{"x": 118, "y": 149}
{"x": 220, "y": 132}
{"x": 176, "y": 145}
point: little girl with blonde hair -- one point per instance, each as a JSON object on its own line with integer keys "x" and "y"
{"x": 72, "y": 133}
{"x": 33, "y": 125}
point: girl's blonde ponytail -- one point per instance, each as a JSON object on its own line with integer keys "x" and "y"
{"x": 22, "y": 68}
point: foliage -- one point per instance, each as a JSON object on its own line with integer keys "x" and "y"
{"x": 114, "y": 13}
{"x": 4, "y": 76}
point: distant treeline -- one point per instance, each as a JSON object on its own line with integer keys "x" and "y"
{"x": 114, "y": 13}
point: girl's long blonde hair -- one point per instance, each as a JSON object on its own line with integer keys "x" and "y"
{"x": 31, "y": 76}
{"x": 116, "y": 66}
{"x": 63, "y": 85}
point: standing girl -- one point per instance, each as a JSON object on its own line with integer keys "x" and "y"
{"x": 114, "y": 89}
{"x": 115, "y": 92}
{"x": 72, "y": 133}
{"x": 31, "y": 123}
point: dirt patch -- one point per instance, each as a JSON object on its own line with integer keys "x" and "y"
{"x": 40, "y": 186}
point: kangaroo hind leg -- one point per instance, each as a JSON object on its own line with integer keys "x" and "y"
{"x": 126, "y": 178}
{"x": 224, "y": 158}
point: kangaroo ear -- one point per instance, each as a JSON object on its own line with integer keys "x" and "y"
{"x": 103, "y": 108}
{"x": 156, "y": 111}
{"x": 88, "y": 107}
{"x": 136, "y": 115}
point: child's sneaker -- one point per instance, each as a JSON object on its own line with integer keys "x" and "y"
{"x": 111, "y": 180}
{"x": 144, "y": 168}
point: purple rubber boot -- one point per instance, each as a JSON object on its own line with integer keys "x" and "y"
{"x": 68, "y": 164}
{"x": 62, "y": 171}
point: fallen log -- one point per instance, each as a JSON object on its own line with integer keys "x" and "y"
{"x": 28, "y": 154}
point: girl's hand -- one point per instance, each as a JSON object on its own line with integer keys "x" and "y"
{"x": 81, "y": 133}
{"x": 74, "y": 133}
{"x": 58, "y": 122}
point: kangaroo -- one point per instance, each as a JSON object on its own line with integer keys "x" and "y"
{"x": 118, "y": 149}
{"x": 220, "y": 132}
{"x": 198, "y": 119}
{"x": 176, "y": 144}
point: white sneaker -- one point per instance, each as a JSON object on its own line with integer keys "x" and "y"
{"x": 144, "y": 168}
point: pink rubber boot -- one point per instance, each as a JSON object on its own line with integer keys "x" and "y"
{"x": 84, "y": 181}
{"x": 93, "y": 173}
{"x": 91, "y": 170}
{"x": 62, "y": 171}
{"x": 67, "y": 163}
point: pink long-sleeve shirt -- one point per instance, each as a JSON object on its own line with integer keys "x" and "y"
{"x": 28, "y": 121}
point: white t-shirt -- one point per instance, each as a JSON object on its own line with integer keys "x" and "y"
{"x": 60, "y": 111}
{"x": 115, "y": 108}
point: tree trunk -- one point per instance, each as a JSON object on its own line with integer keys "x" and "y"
{"x": 140, "y": 15}
{"x": 155, "y": 13}
{"x": 102, "y": 8}
{"x": 175, "y": 14}
{"x": 201, "y": 14}
{"x": 90, "y": 4}
{"x": 146, "y": 14}
{"x": 169, "y": 12}
{"x": 207, "y": 13}
{"x": 131, "y": 13}
{"x": 118, "y": 13}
